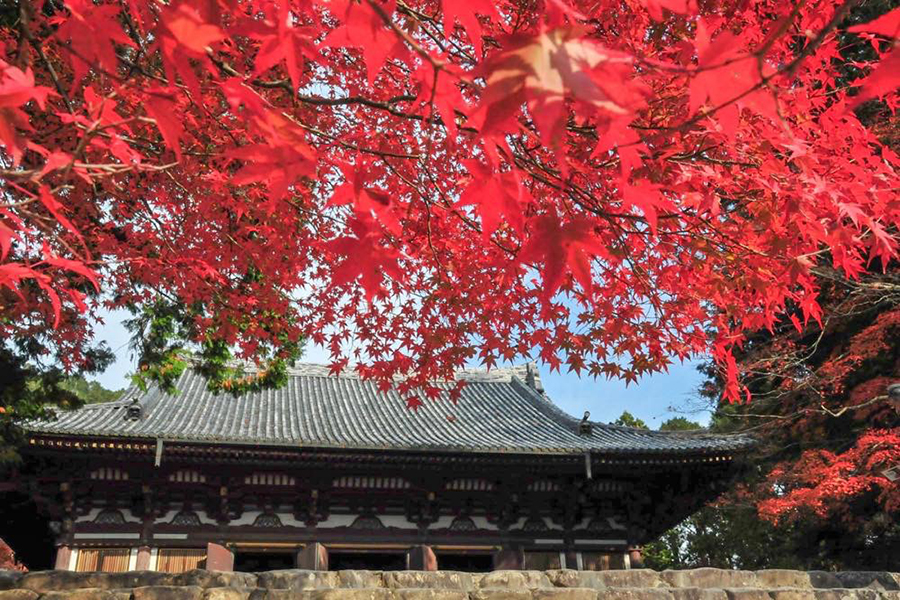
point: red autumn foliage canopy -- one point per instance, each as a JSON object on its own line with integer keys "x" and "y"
{"x": 421, "y": 183}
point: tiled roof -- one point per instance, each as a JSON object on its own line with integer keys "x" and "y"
{"x": 497, "y": 412}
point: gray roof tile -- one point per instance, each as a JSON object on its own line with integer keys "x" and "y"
{"x": 497, "y": 412}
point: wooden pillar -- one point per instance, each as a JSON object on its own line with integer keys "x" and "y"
{"x": 219, "y": 558}
{"x": 314, "y": 557}
{"x": 63, "y": 555}
{"x": 143, "y": 559}
{"x": 422, "y": 558}
{"x": 635, "y": 557}
{"x": 509, "y": 559}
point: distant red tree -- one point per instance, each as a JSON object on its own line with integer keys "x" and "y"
{"x": 828, "y": 428}
{"x": 8, "y": 559}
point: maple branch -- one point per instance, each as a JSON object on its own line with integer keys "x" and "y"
{"x": 285, "y": 84}
{"x": 435, "y": 63}
{"x": 423, "y": 19}
{"x": 349, "y": 145}
{"x": 24, "y": 23}
{"x": 789, "y": 70}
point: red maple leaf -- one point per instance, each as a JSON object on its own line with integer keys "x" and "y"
{"x": 561, "y": 248}
{"x": 365, "y": 257}
{"x": 497, "y": 196}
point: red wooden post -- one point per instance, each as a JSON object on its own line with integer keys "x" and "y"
{"x": 219, "y": 558}
{"x": 63, "y": 555}
{"x": 509, "y": 559}
{"x": 635, "y": 557}
{"x": 143, "y": 559}
{"x": 313, "y": 557}
{"x": 422, "y": 558}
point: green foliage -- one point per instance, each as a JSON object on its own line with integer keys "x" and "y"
{"x": 629, "y": 420}
{"x": 167, "y": 339}
{"x": 724, "y": 537}
{"x": 89, "y": 392}
{"x": 30, "y": 390}
{"x": 679, "y": 424}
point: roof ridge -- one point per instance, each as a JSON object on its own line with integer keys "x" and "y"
{"x": 502, "y": 374}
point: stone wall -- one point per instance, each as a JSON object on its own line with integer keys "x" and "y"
{"x": 696, "y": 584}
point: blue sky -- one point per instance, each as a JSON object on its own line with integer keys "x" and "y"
{"x": 651, "y": 399}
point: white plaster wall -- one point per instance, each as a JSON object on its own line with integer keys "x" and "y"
{"x": 442, "y": 522}
{"x": 247, "y": 518}
{"x": 167, "y": 518}
{"x": 482, "y": 523}
{"x": 205, "y": 518}
{"x": 396, "y": 521}
{"x": 92, "y": 514}
{"x": 614, "y": 523}
{"x": 547, "y": 523}
{"x": 201, "y": 514}
{"x": 337, "y": 521}
{"x": 288, "y": 520}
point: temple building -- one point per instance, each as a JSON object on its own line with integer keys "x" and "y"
{"x": 331, "y": 473}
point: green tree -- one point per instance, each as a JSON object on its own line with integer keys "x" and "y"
{"x": 89, "y": 392}
{"x": 680, "y": 424}
{"x": 31, "y": 390}
{"x": 629, "y": 420}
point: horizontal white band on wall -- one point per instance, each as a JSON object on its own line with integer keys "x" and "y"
{"x": 170, "y": 536}
{"x": 548, "y": 541}
{"x": 605, "y": 542}
{"x": 107, "y": 536}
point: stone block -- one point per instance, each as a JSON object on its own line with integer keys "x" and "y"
{"x": 845, "y": 594}
{"x": 697, "y": 594}
{"x": 10, "y": 579}
{"x": 634, "y": 594}
{"x": 501, "y": 593}
{"x": 226, "y": 593}
{"x": 214, "y": 579}
{"x": 360, "y": 579}
{"x": 792, "y": 594}
{"x": 783, "y": 578}
{"x": 527, "y": 580}
{"x": 168, "y": 592}
{"x": 571, "y": 593}
{"x": 445, "y": 580}
{"x": 297, "y": 579}
{"x": 564, "y": 578}
{"x": 133, "y": 579}
{"x": 823, "y": 579}
{"x": 371, "y": 593}
{"x": 879, "y": 580}
{"x": 707, "y": 577}
{"x": 57, "y": 581}
{"x": 630, "y": 578}
{"x": 81, "y": 594}
{"x": 430, "y": 594}
{"x": 18, "y": 595}
{"x": 747, "y": 594}
{"x": 277, "y": 594}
